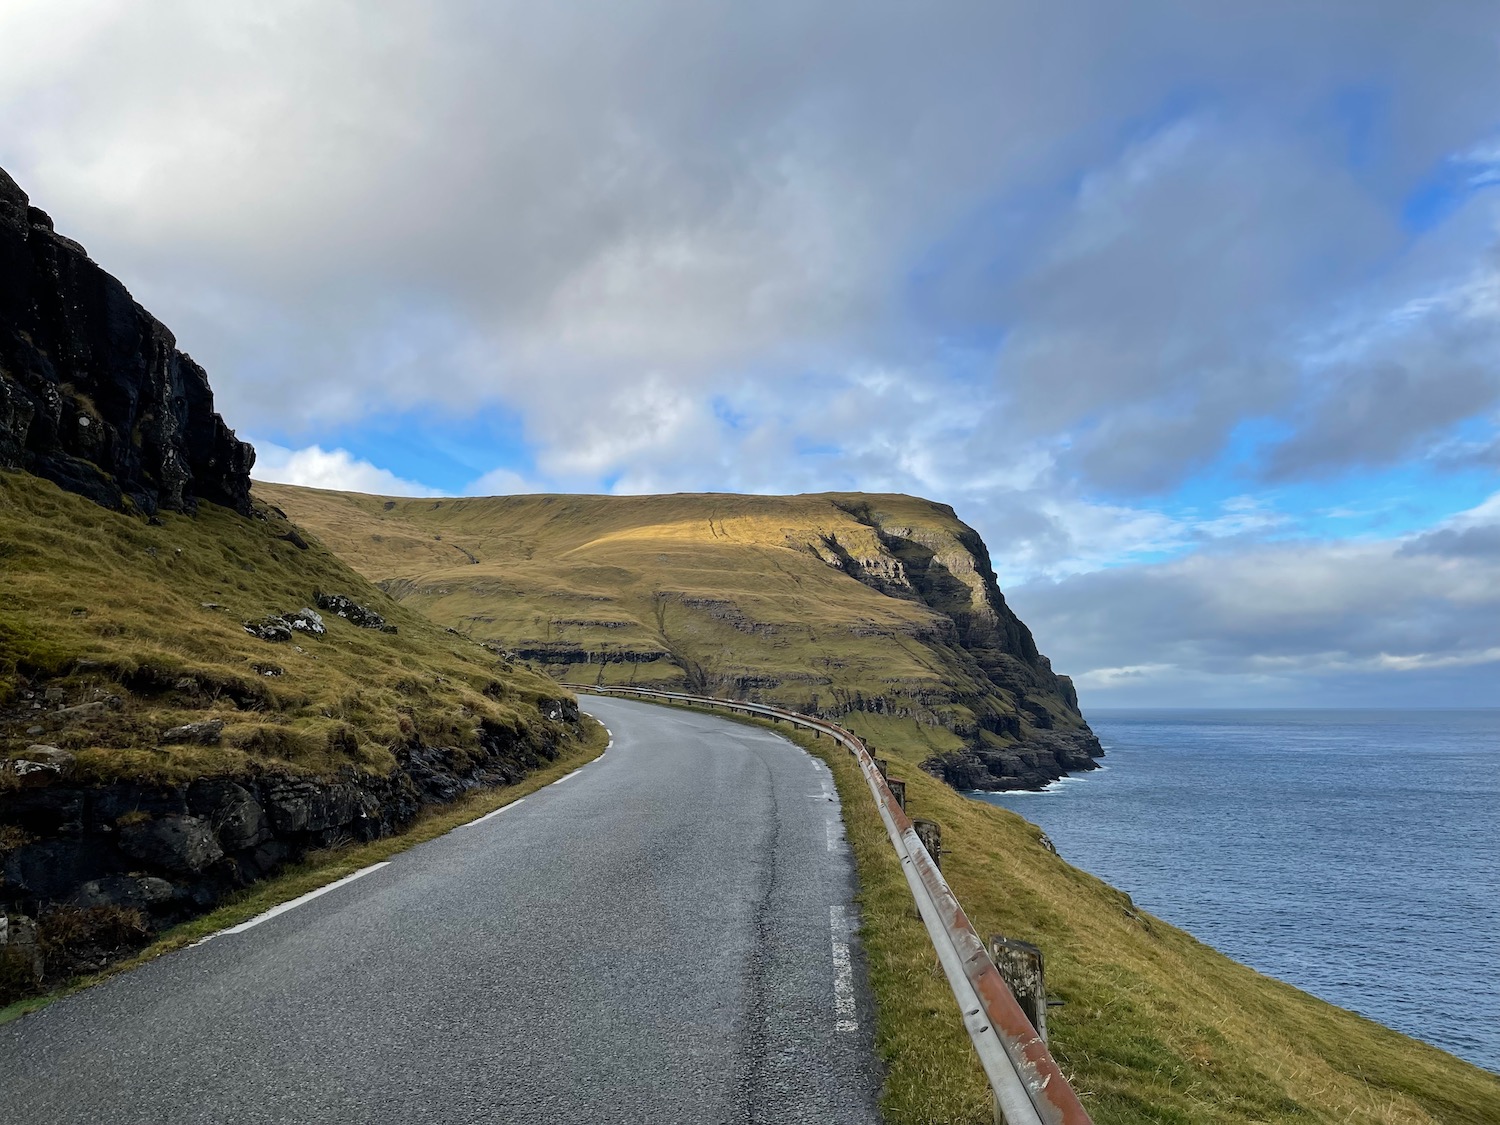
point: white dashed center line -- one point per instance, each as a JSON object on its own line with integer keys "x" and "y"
{"x": 843, "y": 973}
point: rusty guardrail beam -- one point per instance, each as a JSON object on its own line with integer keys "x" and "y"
{"x": 1029, "y": 1087}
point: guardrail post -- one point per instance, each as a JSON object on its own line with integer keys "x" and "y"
{"x": 881, "y": 764}
{"x": 931, "y": 835}
{"x": 1020, "y": 963}
{"x": 20, "y": 958}
{"x": 898, "y": 790}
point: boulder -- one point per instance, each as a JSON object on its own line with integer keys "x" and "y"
{"x": 353, "y": 612}
{"x": 281, "y": 626}
{"x": 307, "y": 621}
{"x": 184, "y": 844}
{"x": 42, "y": 761}
{"x": 52, "y": 869}
{"x": 132, "y": 892}
{"x": 302, "y": 806}
{"x": 45, "y": 811}
{"x": 232, "y": 811}
{"x": 262, "y": 861}
{"x": 273, "y": 628}
{"x": 129, "y": 800}
{"x": 206, "y": 733}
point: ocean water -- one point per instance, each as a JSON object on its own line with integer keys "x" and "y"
{"x": 1354, "y": 854}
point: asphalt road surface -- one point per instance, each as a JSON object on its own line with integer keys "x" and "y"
{"x": 664, "y": 936}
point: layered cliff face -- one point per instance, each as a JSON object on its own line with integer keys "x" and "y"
{"x": 880, "y": 611}
{"x": 945, "y": 565}
{"x": 94, "y": 395}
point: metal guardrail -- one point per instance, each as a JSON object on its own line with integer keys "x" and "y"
{"x": 1029, "y": 1087}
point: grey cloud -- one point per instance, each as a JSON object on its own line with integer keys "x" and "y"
{"x": 1482, "y": 542}
{"x": 346, "y": 211}
{"x": 1372, "y": 618}
{"x": 1380, "y": 414}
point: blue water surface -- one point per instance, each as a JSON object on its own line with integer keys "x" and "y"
{"x": 1354, "y": 854}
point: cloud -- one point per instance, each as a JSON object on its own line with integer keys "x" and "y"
{"x": 502, "y": 482}
{"x": 1119, "y": 218}
{"x": 335, "y": 469}
{"x": 1287, "y": 619}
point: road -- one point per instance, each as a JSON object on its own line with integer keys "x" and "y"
{"x": 664, "y": 936}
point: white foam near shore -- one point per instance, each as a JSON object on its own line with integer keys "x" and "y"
{"x": 1046, "y": 790}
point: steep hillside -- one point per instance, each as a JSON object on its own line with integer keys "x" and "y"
{"x": 156, "y": 754}
{"x": 833, "y": 604}
{"x": 191, "y": 695}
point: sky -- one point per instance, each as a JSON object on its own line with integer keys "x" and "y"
{"x": 1192, "y": 310}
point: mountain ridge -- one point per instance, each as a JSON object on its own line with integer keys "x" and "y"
{"x": 832, "y": 603}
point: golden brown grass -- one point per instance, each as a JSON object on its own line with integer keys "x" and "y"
{"x": 720, "y": 592}
{"x": 147, "y": 621}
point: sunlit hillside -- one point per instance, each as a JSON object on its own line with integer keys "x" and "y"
{"x": 833, "y": 604}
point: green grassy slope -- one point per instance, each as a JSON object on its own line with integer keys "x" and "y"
{"x": 1154, "y": 1027}
{"x": 146, "y": 622}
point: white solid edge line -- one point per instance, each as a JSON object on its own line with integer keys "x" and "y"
{"x": 296, "y": 902}
{"x": 568, "y": 776}
{"x": 496, "y": 812}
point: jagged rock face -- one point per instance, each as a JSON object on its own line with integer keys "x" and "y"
{"x": 952, "y": 574}
{"x": 94, "y": 394}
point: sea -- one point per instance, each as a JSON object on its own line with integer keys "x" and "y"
{"x": 1354, "y": 854}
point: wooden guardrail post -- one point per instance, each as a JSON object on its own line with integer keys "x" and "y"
{"x": 883, "y": 766}
{"x": 931, "y": 835}
{"x": 1020, "y": 963}
{"x": 20, "y": 957}
{"x": 898, "y": 790}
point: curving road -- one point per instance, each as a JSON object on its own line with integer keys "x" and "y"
{"x": 664, "y": 936}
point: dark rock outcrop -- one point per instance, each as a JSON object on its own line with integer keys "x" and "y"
{"x": 94, "y": 395}
{"x": 352, "y": 612}
{"x": 283, "y": 626}
{"x": 168, "y": 852}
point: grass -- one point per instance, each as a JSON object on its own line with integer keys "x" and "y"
{"x": 724, "y": 593}
{"x": 719, "y": 593}
{"x": 322, "y": 868}
{"x": 141, "y": 625}
{"x": 1155, "y": 1027}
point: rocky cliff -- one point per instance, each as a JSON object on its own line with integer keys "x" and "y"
{"x": 946, "y": 566}
{"x": 94, "y": 394}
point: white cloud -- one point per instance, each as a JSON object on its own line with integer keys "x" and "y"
{"x": 335, "y": 469}
{"x": 502, "y": 482}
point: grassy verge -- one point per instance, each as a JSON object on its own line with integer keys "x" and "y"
{"x": 322, "y": 868}
{"x": 1156, "y": 1027}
